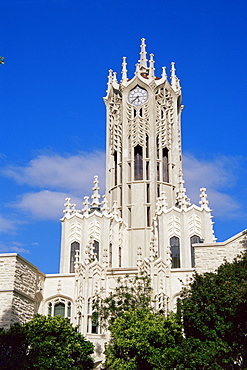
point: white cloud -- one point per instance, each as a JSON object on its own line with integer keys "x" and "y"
{"x": 74, "y": 173}
{"x": 12, "y": 248}
{"x": 218, "y": 176}
{"x": 7, "y": 225}
{"x": 44, "y": 204}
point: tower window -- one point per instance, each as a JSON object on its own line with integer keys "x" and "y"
{"x": 148, "y": 193}
{"x": 147, "y": 146}
{"x": 119, "y": 257}
{"x": 59, "y": 309}
{"x": 148, "y": 216}
{"x": 75, "y": 246}
{"x": 194, "y": 239}
{"x": 147, "y": 170}
{"x": 110, "y": 255}
{"x": 138, "y": 169}
{"x": 96, "y": 249}
{"x": 115, "y": 168}
{"x": 175, "y": 251}
{"x": 165, "y": 165}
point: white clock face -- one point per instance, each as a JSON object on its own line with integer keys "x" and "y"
{"x": 138, "y": 96}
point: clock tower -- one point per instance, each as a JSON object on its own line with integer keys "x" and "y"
{"x": 143, "y": 157}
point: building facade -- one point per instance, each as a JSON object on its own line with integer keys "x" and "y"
{"x": 144, "y": 222}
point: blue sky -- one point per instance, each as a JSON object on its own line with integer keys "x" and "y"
{"x": 52, "y": 133}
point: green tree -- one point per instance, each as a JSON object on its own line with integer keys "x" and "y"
{"x": 131, "y": 293}
{"x": 143, "y": 340}
{"x": 214, "y": 316}
{"x": 46, "y": 343}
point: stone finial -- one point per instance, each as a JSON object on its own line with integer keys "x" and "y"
{"x": 143, "y": 59}
{"x": 137, "y": 68}
{"x": 164, "y": 74}
{"x": 105, "y": 207}
{"x": 95, "y": 197}
{"x": 174, "y": 80}
{"x": 124, "y": 71}
{"x": 151, "y": 66}
{"x": 110, "y": 80}
{"x": 115, "y": 77}
{"x": 73, "y": 208}
{"x": 115, "y": 210}
{"x": 86, "y": 205}
{"x": 139, "y": 256}
{"x": 164, "y": 200}
{"x": 151, "y": 251}
{"x": 204, "y": 202}
{"x": 67, "y": 206}
{"x": 182, "y": 200}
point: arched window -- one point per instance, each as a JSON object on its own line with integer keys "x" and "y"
{"x": 138, "y": 163}
{"x": 59, "y": 306}
{"x": 165, "y": 165}
{"x": 96, "y": 249}
{"x": 175, "y": 251}
{"x": 75, "y": 246}
{"x": 59, "y": 309}
{"x": 194, "y": 239}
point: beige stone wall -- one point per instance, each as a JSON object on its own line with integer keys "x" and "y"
{"x": 208, "y": 257}
{"x": 20, "y": 285}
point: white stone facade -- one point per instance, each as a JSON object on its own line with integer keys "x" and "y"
{"x": 144, "y": 222}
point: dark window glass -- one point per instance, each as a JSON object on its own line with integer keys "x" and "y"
{"x": 175, "y": 251}
{"x": 96, "y": 249}
{"x": 138, "y": 169}
{"x": 110, "y": 255}
{"x": 115, "y": 168}
{"x": 147, "y": 146}
{"x": 165, "y": 165}
{"x": 74, "y": 247}
{"x": 194, "y": 239}
{"x": 59, "y": 309}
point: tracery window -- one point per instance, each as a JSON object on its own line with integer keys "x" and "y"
{"x": 175, "y": 251}
{"x": 75, "y": 246}
{"x": 194, "y": 239}
{"x": 59, "y": 306}
{"x": 138, "y": 163}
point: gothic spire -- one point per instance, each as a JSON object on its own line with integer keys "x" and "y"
{"x": 174, "y": 80}
{"x": 143, "y": 59}
{"x": 124, "y": 71}
{"x": 95, "y": 203}
{"x": 151, "y": 66}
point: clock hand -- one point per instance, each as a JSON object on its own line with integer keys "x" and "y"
{"x": 135, "y": 99}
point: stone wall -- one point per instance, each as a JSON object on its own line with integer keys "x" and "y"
{"x": 20, "y": 285}
{"x": 208, "y": 257}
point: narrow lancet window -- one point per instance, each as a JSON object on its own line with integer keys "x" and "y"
{"x": 165, "y": 165}
{"x": 175, "y": 251}
{"x": 75, "y": 246}
{"x": 96, "y": 249}
{"x": 194, "y": 239}
{"x": 147, "y": 146}
{"x": 110, "y": 255}
{"x": 138, "y": 169}
{"x": 115, "y": 168}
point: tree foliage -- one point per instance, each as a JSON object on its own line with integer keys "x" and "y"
{"x": 131, "y": 293}
{"x": 214, "y": 315}
{"x": 143, "y": 340}
{"x": 45, "y": 343}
